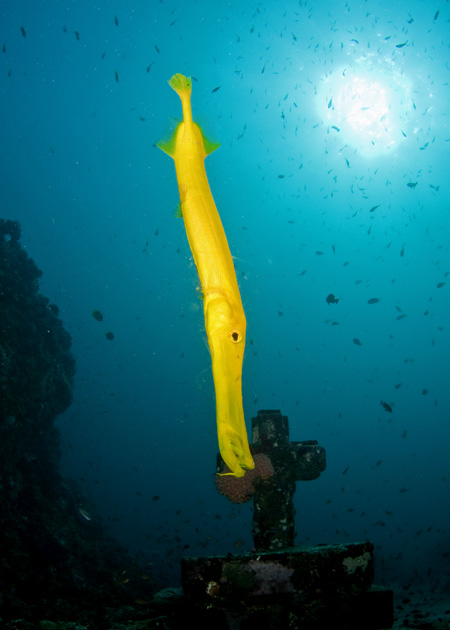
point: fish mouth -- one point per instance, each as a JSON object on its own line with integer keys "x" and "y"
{"x": 227, "y": 350}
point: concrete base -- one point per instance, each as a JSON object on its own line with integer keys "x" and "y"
{"x": 327, "y": 586}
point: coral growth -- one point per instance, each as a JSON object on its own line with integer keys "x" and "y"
{"x": 241, "y": 489}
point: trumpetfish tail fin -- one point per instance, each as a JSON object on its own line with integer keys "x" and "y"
{"x": 183, "y": 87}
{"x": 181, "y": 84}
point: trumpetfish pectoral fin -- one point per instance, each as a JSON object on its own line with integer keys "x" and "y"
{"x": 224, "y": 315}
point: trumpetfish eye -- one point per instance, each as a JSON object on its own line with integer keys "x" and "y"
{"x": 235, "y": 336}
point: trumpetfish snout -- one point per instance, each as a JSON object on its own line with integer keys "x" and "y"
{"x": 224, "y": 315}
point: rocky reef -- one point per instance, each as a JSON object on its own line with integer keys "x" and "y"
{"x": 56, "y": 560}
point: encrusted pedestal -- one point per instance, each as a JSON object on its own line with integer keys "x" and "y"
{"x": 327, "y": 586}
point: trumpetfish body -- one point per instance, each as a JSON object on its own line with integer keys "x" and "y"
{"x": 224, "y": 315}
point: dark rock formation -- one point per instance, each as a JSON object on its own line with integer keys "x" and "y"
{"x": 55, "y": 560}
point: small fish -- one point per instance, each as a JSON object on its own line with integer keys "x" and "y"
{"x": 440, "y": 285}
{"x": 330, "y": 103}
{"x": 401, "y": 45}
{"x": 373, "y": 208}
{"x": 436, "y": 15}
{"x": 330, "y": 299}
{"x": 149, "y": 67}
{"x": 156, "y": 48}
{"x": 373, "y": 300}
{"x": 116, "y": 21}
{"x": 357, "y": 342}
{"x": 23, "y": 31}
{"x": 77, "y": 35}
{"x": 155, "y": 498}
{"x": 109, "y": 335}
{"x": 411, "y": 184}
{"x": 120, "y": 581}
{"x": 85, "y": 514}
{"x": 97, "y": 315}
{"x": 215, "y": 89}
{"x": 385, "y": 406}
{"x": 335, "y": 128}
{"x": 116, "y": 76}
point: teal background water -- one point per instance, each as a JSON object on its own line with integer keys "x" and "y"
{"x": 308, "y": 210}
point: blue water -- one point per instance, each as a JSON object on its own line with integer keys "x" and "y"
{"x": 311, "y": 181}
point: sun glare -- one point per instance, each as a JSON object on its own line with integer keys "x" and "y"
{"x": 367, "y": 105}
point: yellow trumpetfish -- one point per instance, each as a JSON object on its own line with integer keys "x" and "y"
{"x": 224, "y": 316}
